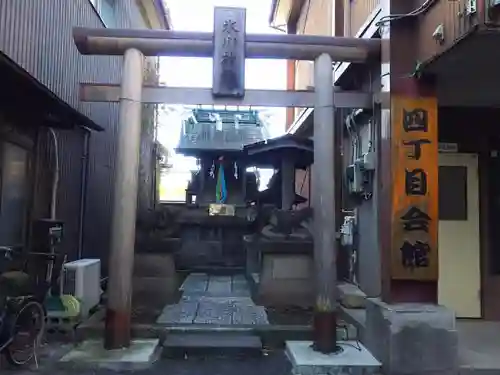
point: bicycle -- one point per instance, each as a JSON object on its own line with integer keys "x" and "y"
{"x": 22, "y": 315}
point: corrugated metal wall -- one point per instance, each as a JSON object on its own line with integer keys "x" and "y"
{"x": 37, "y": 34}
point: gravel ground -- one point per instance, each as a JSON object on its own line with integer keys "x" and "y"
{"x": 274, "y": 363}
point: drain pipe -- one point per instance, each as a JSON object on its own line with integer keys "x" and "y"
{"x": 55, "y": 180}
{"x": 83, "y": 190}
{"x": 53, "y": 201}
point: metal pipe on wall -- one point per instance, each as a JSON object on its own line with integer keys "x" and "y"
{"x": 118, "y": 313}
{"x": 55, "y": 178}
{"x": 323, "y": 197}
{"x": 83, "y": 190}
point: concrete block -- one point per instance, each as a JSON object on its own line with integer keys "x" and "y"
{"x": 140, "y": 355}
{"x": 412, "y": 338}
{"x": 291, "y": 266}
{"x": 356, "y": 317}
{"x": 283, "y": 281}
{"x": 354, "y": 359}
{"x": 351, "y": 296}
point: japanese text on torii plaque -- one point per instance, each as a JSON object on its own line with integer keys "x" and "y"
{"x": 229, "y": 52}
{"x": 415, "y": 220}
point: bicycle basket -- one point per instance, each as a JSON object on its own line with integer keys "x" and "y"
{"x": 15, "y": 284}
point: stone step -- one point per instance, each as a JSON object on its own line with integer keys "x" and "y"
{"x": 204, "y": 329}
{"x": 211, "y": 344}
{"x": 209, "y": 310}
{"x": 270, "y": 335}
{"x": 215, "y": 285}
{"x": 351, "y": 296}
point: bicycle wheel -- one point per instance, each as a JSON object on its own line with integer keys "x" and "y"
{"x": 29, "y": 326}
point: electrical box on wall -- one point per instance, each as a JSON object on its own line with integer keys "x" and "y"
{"x": 354, "y": 176}
{"x": 358, "y": 174}
{"x": 348, "y": 229}
{"x": 368, "y": 161}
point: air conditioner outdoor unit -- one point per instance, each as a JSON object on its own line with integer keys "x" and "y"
{"x": 82, "y": 279}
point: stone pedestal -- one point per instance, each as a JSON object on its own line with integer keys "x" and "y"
{"x": 351, "y": 296}
{"x": 412, "y": 338}
{"x": 286, "y": 280}
{"x": 140, "y": 355}
{"x": 353, "y": 359}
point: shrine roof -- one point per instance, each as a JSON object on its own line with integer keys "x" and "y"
{"x": 220, "y": 131}
{"x": 272, "y": 151}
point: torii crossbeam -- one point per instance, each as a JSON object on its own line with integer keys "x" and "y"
{"x": 229, "y": 46}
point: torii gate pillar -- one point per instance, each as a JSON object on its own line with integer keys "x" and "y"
{"x": 117, "y": 331}
{"x": 323, "y": 199}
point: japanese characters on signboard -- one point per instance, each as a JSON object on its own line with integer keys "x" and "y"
{"x": 229, "y": 52}
{"x": 415, "y": 191}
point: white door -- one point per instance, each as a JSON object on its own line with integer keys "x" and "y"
{"x": 459, "y": 252}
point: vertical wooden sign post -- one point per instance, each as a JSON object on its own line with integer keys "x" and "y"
{"x": 414, "y": 253}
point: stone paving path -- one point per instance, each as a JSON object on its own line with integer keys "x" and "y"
{"x": 219, "y": 300}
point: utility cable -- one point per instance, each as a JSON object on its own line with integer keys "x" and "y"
{"x": 414, "y": 13}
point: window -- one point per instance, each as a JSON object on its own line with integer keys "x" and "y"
{"x": 452, "y": 193}
{"x": 107, "y": 13}
{"x": 106, "y": 10}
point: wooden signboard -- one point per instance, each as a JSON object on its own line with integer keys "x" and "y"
{"x": 218, "y": 209}
{"x": 414, "y": 254}
{"x": 229, "y": 52}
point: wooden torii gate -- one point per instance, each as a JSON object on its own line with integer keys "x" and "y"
{"x": 229, "y": 46}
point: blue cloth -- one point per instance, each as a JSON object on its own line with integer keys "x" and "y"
{"x": 221, "y": 193}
